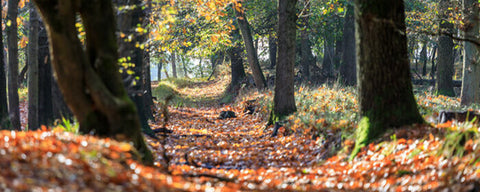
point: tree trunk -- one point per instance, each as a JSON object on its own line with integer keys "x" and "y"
{"x": 23, "y": 75}
{"x": 33, "y": 83}
{"x": 147, "y": 81}
{"x": 385, "y": 93}
{"x": 159, "y": 71}
{"x": 174, "y": 65}
{"x": 284, "y": 99}
{"x": 238, "y": 71}
{"x": 252, "y": 56}
{"x": 4, "y": 120}
{"x": 45, "y": 105}
{"x": 306, "y": 59}
{"x": 432, "y": 71}
{"x": 423, "y": 59}
{"x": 272, "y": 50}
{"x": 471, "y": 66}
{"x": 13, "y": 102}
{"x": 89, "y": 79}
{"x": 200, "y": 67}
{"x": 128, "y": 20}
{"x": 445, "y": 54}
{"x": 328, "y": 51}
{"x": 348, "y": 69}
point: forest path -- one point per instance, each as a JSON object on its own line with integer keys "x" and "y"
{"x": 232, "y": 148}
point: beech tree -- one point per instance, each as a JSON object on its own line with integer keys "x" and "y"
{"x": 236, "y": 62}
{"x": 385, "y": 93}
{"x": 13, "y": 101}
{"x": 33, "y": 74}
{"x": 129, "y": 18}
{"x": 4, "y": 120}
{"x": 348, "y": 69}
{"x": 252, "y": 56}
{"x": 445, "y": 58}
{"x": 471, "y": 65}
{"x": 284, "y": 98}
{"x": 89, "y": 78}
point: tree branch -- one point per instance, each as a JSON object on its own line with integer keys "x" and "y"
{"x": 451, "y": 35}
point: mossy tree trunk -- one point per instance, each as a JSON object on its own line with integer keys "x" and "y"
{"x": 13, "y": 101}
{"x": 348, "y": 69}
{"x": 284, "y": 97}
{"x": 252, "y": 56}
{"x": 445, "y": 56}
{"x": 89, "y": 79}
{"x": 4, "y": 120}
{"x": 385, "y": 93}
{"x": 471, "y": 65}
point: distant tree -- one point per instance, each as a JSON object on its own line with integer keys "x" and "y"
{"x": 471, "y": 65}
{"x": 88, "y": 77}
{"x": 130, "y": 17}
{"x": 423, "y": 58}
{"x": 252, "y": 55}
{"x": 272, "y": 50}
{"x": 174, "y": 64}
{"x": 13, "y": 101}
{"x": 4, "y": 119}
{"x": 306, "y": 56}
{"x": 348, "y": 69}
{"x": 236, "y": 62}
{"x": 385, "y": 93}
{"x": 445, "y": 58}
{"x": 284, "y": 98}
{"x": 45, "y": 75}
{"x": 33, "y": 84}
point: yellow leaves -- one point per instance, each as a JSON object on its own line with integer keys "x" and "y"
{"x": 214, "y": 38}
{"x": 23, "y": 42}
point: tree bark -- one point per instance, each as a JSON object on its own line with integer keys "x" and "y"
{"x": 22, "y": 77}
{"x": 445, "y": 58}
{"x": 471, "y": 66}
{"x": 45, "y": 103}
{"x": 236, "y": 66}
{"x": 348, "y": 69}
{"x": 33, "y": 83}
{"x": 174, "y": 65}
{"x": 4, "y": 119}
{"x": 423, "y": 59}
{"x": 434, "y": 53}
{"x": 306, "y": 59}
{"x": 272, "y": 50}
{"x": 385, "y": 93}
{"x": 13, "y": 101}
{"x": 159, "y": 71}
{"x": 128, "y": 20}
{"x": 252, "y": 55}
{"x": 284, "y": 98}
{"x": 89, "y": 78}
{"x": 328, "y": 52}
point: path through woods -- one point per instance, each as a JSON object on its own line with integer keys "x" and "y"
{"x": 233, "y": 154}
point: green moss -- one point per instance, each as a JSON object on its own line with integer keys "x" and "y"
{"x": 362, "y": 133}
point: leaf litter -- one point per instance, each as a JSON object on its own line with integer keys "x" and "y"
{"x": 236, "y": 154}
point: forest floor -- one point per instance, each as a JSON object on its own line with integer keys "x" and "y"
{"x": 205, "y": 153}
